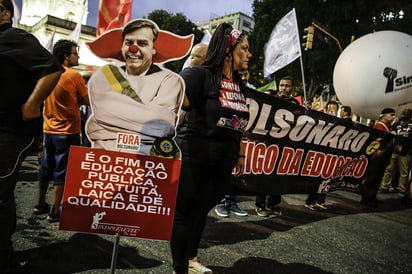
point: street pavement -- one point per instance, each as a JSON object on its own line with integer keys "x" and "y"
{"x": 347, "y": 238}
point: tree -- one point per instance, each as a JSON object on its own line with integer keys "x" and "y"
{"x": 344, "y": 19}
{"x": 178, "y": 24}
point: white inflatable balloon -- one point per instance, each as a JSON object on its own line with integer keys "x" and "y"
{"x": 375, "y": 72}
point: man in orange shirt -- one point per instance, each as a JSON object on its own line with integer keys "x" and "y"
{"x": 61, "y": 127}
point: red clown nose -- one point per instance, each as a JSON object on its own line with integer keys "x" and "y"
{"x": 133, "y": 48}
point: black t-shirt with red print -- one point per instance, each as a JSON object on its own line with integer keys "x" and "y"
{"x": 217, "y": 118}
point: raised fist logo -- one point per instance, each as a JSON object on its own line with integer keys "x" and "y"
{"x": 389, "y": 73}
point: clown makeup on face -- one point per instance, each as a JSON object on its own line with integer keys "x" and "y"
{"x": 138, "y": 50}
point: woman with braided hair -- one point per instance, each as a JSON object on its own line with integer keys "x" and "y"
{"x": 210, "y": 144}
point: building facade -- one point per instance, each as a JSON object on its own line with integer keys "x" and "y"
{"x": 52, "y": 20}
{"x": 238, "y": 20}
{"x": 71, "y": 10}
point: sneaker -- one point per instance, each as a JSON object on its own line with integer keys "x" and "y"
{"x": 274, "y": 210}
{"x": 235, "y": 209}
{"x": 198, "y": 268}
{"x": 392, "y": 190}
{"x": 221, "y": 211}
{"x": 53, "y": 217}
{"x": 41, "y": 209}
{"x": 383, "y": 190}
{"x": 260, "y": 211}
{"x": 321, "y": 206}
{"x": 312, "y": 206}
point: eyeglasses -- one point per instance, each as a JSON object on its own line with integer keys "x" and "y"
{"x": 75, "y": 53}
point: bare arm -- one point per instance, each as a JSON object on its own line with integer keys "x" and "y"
{"x": 240, "y": 166}
{"x": 186, "y": 103}
{"x": 44, "y": 86}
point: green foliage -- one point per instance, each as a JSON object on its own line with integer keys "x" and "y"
{"x": 342, "y": 19}
{"x": 178, "y": 24}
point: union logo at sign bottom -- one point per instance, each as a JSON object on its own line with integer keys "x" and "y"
{"x": 98, "y": 224}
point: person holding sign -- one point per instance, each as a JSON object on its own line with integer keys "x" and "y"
{"x": 135, "y": 107}
{"x": 266, "y": 205}
{"x": 316, "y": 201}
{"x": 211, "y": 144}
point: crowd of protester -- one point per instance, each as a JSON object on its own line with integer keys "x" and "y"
{"x": 209, "y": 152}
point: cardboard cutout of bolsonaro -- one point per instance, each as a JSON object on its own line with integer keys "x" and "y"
{"x": 126, "y": 183}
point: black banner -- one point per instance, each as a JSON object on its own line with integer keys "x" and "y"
{"x": 291, "y": 149}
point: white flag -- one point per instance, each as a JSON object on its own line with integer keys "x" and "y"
{"x": 16, "y": 16}
{"x": 283, "y": 46}
{"x": 50, "y": 43}
{"x": 75, "y": 35}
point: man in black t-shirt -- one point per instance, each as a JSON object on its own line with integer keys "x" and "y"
{"x": 28, "y": 73}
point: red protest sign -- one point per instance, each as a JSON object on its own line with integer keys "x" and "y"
{"x": 108, "y": 192}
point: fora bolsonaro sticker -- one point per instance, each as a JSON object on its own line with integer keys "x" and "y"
{"x": 128, "y": 142}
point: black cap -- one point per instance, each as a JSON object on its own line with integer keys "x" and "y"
{"x": 387, "y": 111}
{"x": 8, "y": 5}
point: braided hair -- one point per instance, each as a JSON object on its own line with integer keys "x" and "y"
{"x": 221, "y": 45}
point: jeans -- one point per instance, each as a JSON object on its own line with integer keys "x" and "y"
{"x": 55, "y": 157}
